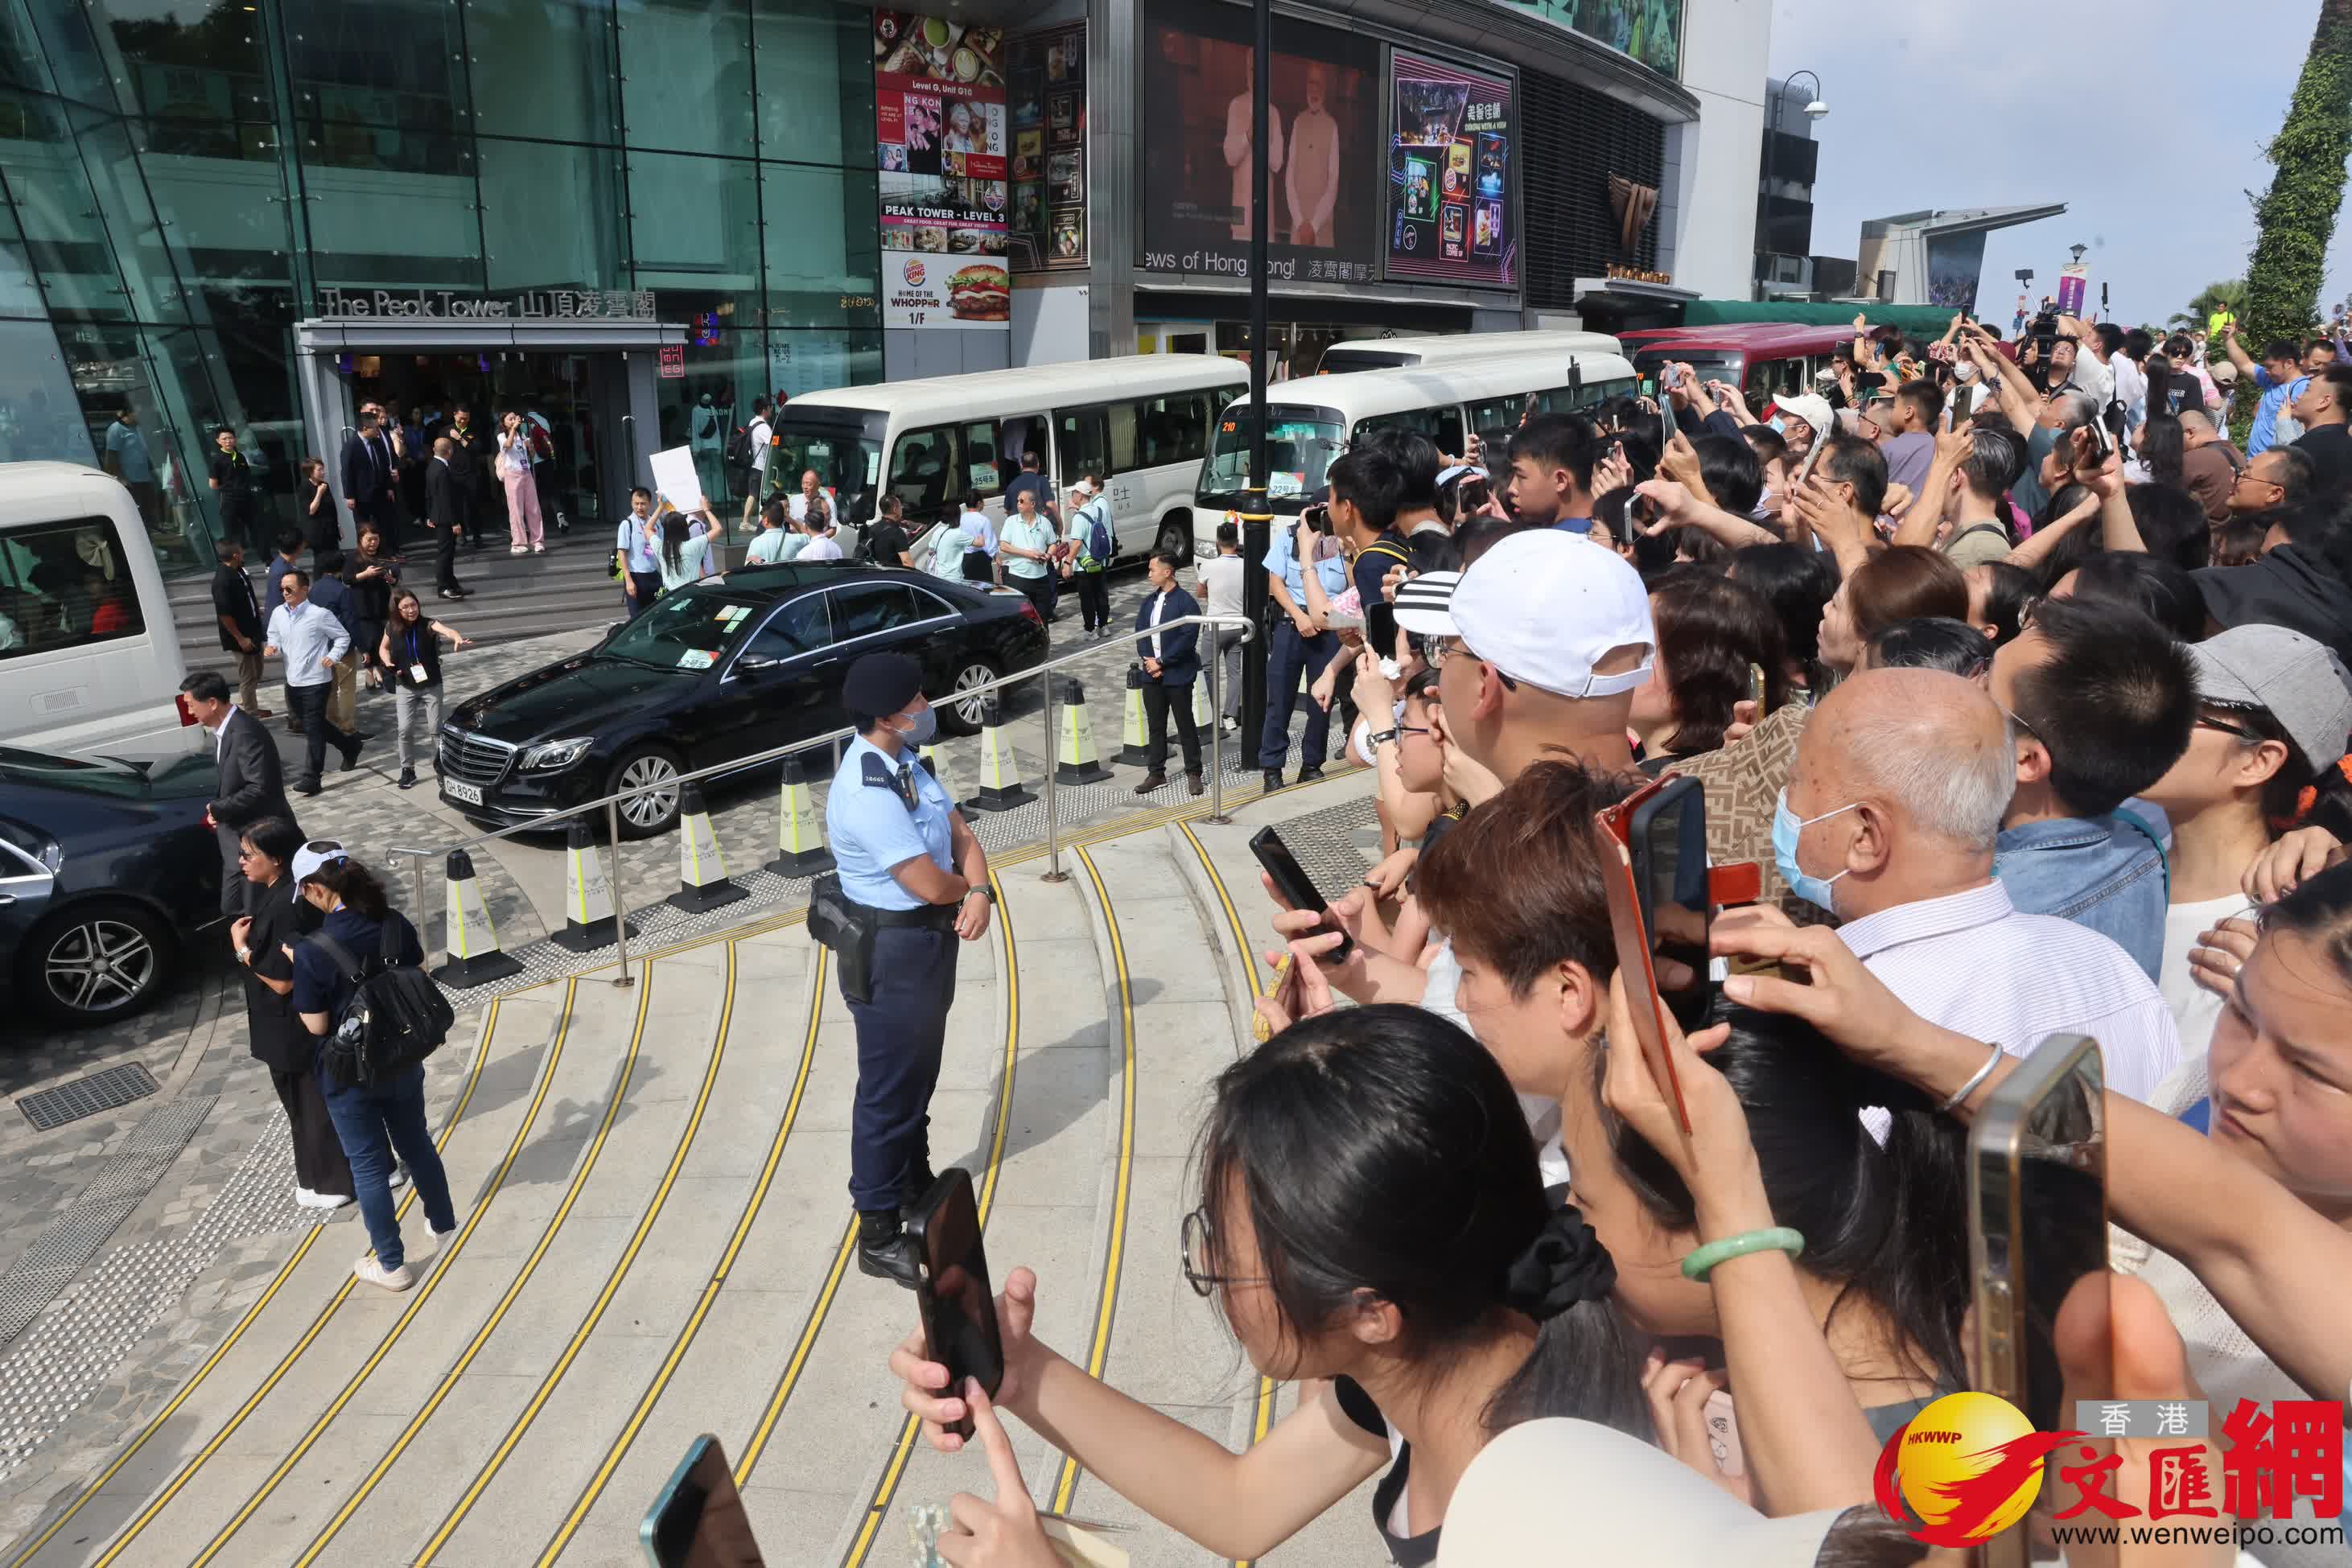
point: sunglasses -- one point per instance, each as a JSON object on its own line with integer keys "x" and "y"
{"x": 2241, "y": 731}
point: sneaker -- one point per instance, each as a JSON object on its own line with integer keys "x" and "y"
{"x": 408, "y": 777}
{"x": 538, "y": 550}
{"x": 436, "y": 1242}
{"x": 399, "y": 1177}
{"x": 305, "y": 1198}
{"x": 517, "y": 549}
{"x": 369, "y": 1271}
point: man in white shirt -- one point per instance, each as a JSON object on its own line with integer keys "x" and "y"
{"x": 822, "y": 545}
{"x": 763, "y": 434}
{"x": 1220, "y": 581}
{"x": 312, "y": 641}
{"x": 1888, "y": 821}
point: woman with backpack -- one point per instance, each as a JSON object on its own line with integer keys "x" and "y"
{"x": 360, "y": 936}
{"x": 1090, "y": 545}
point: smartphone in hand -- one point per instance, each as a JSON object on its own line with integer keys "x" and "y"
{"x": 697, "y": 1517}
{"x": 1290, "y": 880}
{"x": 1653, "y": 849}
{"x": 952, "y": 1295}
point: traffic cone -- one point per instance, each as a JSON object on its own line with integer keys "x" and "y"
{"x": 1000, "y": 772}
{"x": 588, "y": 918}
{"x": 800, "y": 826}
{"x": 1074, "y": 760}
{"x": 1135, "y": 736}
{"x": 934, "y": 758}
{"x": 702, "y": 882}
{"x": 474, "y": 956}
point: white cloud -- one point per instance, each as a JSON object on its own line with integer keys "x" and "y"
{"x": 2146, "y": 117}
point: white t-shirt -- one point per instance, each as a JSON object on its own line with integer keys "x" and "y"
{"x": 761, "y": 435}
{"x": 1440, "y": 996}
{"x": 2194, "y": 1009}
{"x": 824, "y": 547}
{"x": 1222, "y": 576}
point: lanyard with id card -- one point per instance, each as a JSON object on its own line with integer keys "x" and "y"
{"x": 417, "y": 673}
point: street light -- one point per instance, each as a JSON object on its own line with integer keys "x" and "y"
{"x": 2077, "y": 251}
{"x": 1815, "y": 110}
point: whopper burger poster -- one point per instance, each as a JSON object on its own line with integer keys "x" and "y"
{"x": 939, "y": 91}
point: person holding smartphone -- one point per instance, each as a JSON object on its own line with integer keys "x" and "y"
{"x": 1417, "y": 1330}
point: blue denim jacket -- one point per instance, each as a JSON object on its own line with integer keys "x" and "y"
{"x": 2104, "y": 873}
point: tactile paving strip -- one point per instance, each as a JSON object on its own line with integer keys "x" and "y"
{"x": 101, "y": 1091}
{"x": 1326, "y": 843}
{"x": 74, "y": 1344}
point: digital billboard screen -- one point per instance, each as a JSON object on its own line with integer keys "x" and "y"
{"x": 1450, "y": 153}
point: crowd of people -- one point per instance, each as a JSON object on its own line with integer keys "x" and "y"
{"x": 2026, "y": 692}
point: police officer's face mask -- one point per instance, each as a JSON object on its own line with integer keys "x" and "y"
{"x": 920, "y": 727}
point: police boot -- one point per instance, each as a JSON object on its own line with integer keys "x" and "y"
{"x": 883, "y": 1250}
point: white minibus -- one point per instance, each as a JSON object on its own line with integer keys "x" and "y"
{"x": 1142, "y": 423}
{"x": 1311, "y": 420}
{"x": 1456, "y": 348}
{"x": 90, "y": 663}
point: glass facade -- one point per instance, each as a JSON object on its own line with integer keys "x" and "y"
{"x": 180, "y": 179}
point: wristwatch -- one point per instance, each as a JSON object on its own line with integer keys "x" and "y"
{"x": 985, "y": 890}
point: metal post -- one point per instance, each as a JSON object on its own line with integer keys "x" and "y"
{"x": 416, "y": 882}
{"x": 1257, "y": 520}
{"x": 1216, "y": 727}
{"x": 620, "y": 903}
{"x": 1054, "y": 872}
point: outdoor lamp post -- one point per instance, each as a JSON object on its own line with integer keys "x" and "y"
{"x": 1815, "y": 110}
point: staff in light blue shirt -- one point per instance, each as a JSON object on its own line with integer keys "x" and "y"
{"x": 1301, "y": 645}
{"x": 641, "y": 578}
{"x": 312, "y": 641}
{"x": 2282, "y": 379}
{"x": 919, "y": 878}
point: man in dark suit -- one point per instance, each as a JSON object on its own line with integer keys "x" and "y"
{"x": 239, "y": 615}
{"x": 1171, "y": 662}
{"x": 445, "y": 514}
{"x": 465, "y": 466}
{"x": 252, "y": 780}
{"x": 369, "y": 479}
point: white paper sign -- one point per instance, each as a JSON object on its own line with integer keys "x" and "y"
{"x": 674, "y": 476}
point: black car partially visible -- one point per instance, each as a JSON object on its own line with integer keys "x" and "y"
{"x": 107, "y": 870}
{"x": 716, "y": 671}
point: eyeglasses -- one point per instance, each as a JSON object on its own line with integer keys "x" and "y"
{"x": 1198, "y": 1274}
{"x": 2248, "y": 736}
{"x": 2025, "y": 726}
{"x": 1443, "y": 648}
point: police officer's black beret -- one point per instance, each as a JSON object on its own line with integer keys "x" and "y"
{"x": 881, "y": 683}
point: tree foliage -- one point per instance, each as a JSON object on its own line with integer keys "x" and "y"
{"x": 2296, "y": 218}
{"x": 2212, "y": 300}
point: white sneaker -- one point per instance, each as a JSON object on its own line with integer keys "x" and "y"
{"x": 438, "y": 1242}
{"x": 305, "y": 1198}
{"x": 368, "y": 1270}
{"x": 515, "y": 550}
{"x": 399, "y": 1177}
{"x": 538, "y": 550}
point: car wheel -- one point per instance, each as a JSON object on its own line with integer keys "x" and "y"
{"x": 962, "y": 715}
{"x": 97, "y": 961}
{"x": 1176, "y": 538}
{"x": 655, "y": 771}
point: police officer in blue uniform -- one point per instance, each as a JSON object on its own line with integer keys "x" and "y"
{"x": 915, "y": 881}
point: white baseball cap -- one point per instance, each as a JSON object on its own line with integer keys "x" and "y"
{"x": 1544, "y": 607}
{"x": 1813, "y": 408}
{"x": 1422, "y": 603}
{"x": 1622, "y": 1500}
{"x": 314, "y": 853}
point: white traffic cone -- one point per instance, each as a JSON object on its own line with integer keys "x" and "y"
{"x": 474, "y": 956}
{"x": 1135, "y": 734}
{"x": 1000, "y": 788}
{"x": 800, "y": 826}
{"x": 1074, "y": 759}
{"x": 702, "y": 882}
{"x": 934, "y": 758}
{"x": 588, "y": 918}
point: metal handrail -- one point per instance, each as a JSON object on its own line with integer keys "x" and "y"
{"x": 610, "y": 804}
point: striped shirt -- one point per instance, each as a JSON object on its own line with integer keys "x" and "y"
{"x": 1970, "y": 962}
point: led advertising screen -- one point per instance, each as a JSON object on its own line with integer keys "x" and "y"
{"x": 1049, "y": 72}
{"x": 1450, "y": 176}
{"x": 938, "y": 107}
{"x": 1322, "y": 143}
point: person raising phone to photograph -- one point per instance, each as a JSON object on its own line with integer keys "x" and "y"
{"x": 1411, "y": 1276}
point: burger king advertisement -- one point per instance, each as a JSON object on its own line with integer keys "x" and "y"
{"x": 939, "y": 96}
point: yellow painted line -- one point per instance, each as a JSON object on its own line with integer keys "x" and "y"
{"x": 612, "y": 1456}
{"x": 285, "y": 1272}
{"x": 1109, "y": 1299}
{"x": 1264, "y": 1415}
{"x": 514, "y": 1148}
{"x": 440, "y": 1271}
{"x": 570, "y": 1352}
{"x": 879, "y": 1507}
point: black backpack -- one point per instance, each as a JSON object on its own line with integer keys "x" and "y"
{"x": 396, "y": 1018}
{"x": 739, "y": 447}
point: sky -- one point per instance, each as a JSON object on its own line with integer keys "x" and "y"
{"x": 1993, "y": 103}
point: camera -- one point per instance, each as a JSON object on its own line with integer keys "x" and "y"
{"x": 2043, "y": 330}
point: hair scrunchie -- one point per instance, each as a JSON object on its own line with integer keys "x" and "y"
{"x": 1565, "y": 1263}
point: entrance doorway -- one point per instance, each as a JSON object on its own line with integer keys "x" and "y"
{"x": 589, "y": 386}
{"x": 574, "y": 398}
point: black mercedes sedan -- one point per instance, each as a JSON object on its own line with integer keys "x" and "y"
{"x": 106, "y": 868}
{"x": 730, "y": 667}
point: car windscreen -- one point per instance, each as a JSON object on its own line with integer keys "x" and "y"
{"x": 1300, "y": 446}
{"x": 687, "y": 630}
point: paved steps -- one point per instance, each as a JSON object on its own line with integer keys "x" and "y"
{"x": 655, "y": 1246}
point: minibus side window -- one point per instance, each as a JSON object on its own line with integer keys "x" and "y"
{"x": 65, "y": 585}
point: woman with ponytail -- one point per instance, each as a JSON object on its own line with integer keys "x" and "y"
{"x": 1371, "y": 1224}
